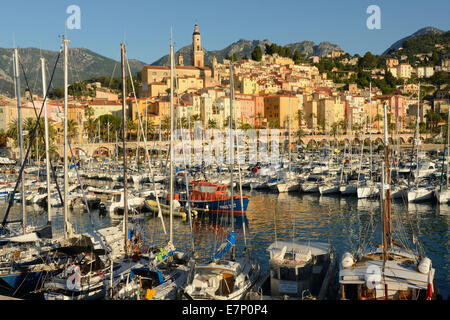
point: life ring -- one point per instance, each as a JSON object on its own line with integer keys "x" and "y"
{"x": 101, "y": 274}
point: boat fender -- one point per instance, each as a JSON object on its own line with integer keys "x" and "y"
{"x": 347, "y": 260}
{"x": 424, "y": 265}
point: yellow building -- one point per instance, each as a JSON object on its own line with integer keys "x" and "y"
{"x": 247, "y": 85}
{"x": 329, "y": 112}
{"x": 282, "y": 109}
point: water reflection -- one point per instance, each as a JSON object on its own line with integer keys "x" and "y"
{"x": 345, "y": 222}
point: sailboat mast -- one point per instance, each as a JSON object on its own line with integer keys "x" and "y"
{"x": 20, "y": 136}
{"x": 47, "y": 156}
{"x": 124, "y": 125}
{"x": 418, "y": 135}
{"x": 388, "y": 178}
{"x": 66, "y": 182}
{"x": 448, "y": 145}
{"x": 232, "y": 156}
{"x": 289, "y": 133}
{"x": 370, "y": 128}
{"x": 171, "y": 143}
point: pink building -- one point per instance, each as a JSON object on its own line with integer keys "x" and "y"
{"x": 397, "y": 107}
{"x": 247, "y": 106}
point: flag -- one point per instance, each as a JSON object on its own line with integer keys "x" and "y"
{"x": 430, "y": 286}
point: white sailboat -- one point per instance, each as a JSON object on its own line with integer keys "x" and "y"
{"x": 167, "y": 269}
{"x": 224, "y": 279}
{"x": 442, "y": 193}
{"x": 419, "y": 192}
{"x": 369, "y": 189}
{"x": 388, "y": 271}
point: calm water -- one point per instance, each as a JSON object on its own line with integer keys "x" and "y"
{"x": 345, "y": 222}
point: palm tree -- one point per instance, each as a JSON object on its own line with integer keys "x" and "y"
{"x": 165, "y": 124}
{"x": 274, "y": 124}
{"x": 131, "y": 128}
{"x": 300, "y": 116}
{"x": 89, "y": 124}
{"x": 245, "y": 126}
{"x": 259, "y": 117}
{"x": 433, "y": 119}
{"x": 28, "y": 126}
{"x": 343, "y": 126}
{"x": 226, "y": 123}
{"x": 334, "y": 129}
{"x": 3, "y": 138}
{"x": 108, "y": 122}
{"x": 212, "y": 124}
{"x": 72, "y": 129}
{"x": 300, "y": 134}
{"x": 312, "y": 116}
{"x": 377, "y": 119}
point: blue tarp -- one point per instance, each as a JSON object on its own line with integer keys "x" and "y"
{"x": 73, "y": 165}
{"x": 231, "y": 240}
{"x": 160, "y": 276}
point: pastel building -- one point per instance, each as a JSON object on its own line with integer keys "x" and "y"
{"x": 282, "y": 109}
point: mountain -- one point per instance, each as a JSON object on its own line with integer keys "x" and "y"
{"x": 83, "y": 64}
{"x": 245, "y": 47}
{"x": 424, "y": 31}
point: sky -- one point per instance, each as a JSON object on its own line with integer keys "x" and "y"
{"x": 145, "y": 25}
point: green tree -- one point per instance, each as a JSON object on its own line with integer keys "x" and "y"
{"x": 274, "y": 124}
{"x": 108, "y": 121}
{"x": 368, "y": 61}
{"x": 257, "y": 53}
{"x": 212, "y": 124}
{"x": 72, "y": 129}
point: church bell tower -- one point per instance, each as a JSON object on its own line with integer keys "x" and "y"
{"x": 197, "y": 50}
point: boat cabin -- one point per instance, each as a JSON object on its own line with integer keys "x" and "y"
{"x": 298, "y": 269}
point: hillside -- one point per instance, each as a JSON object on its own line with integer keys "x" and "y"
{"x": 244, "y": 47}
{"x": 426, "y": 33}
{"x": 83, "y": 64}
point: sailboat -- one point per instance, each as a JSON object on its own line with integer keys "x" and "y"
{"x": 224, "y": 279}
{"x": 369, "y": 189}
{"x": 390, "y": 270}
{"x": 25, "y": 258}
{"x": 167, "y": 268}
{"x": 91, "y": 255}
{"x": 443, "y": 194}
{"x": 289, "y": 181}
{"x": 419, "y": 192}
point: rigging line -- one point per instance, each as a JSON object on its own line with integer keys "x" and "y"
{"x": 112, "y": 75}
{"x": 160, "y": 215}
{"x": 187, "y": 191}
{"x": 38, "y": 121}
{"x": 19, "y": 178}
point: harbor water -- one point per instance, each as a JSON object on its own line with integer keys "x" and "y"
{"x": 345, "y": 222}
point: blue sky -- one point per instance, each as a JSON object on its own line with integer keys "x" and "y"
{"x": 145, "y": 24}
